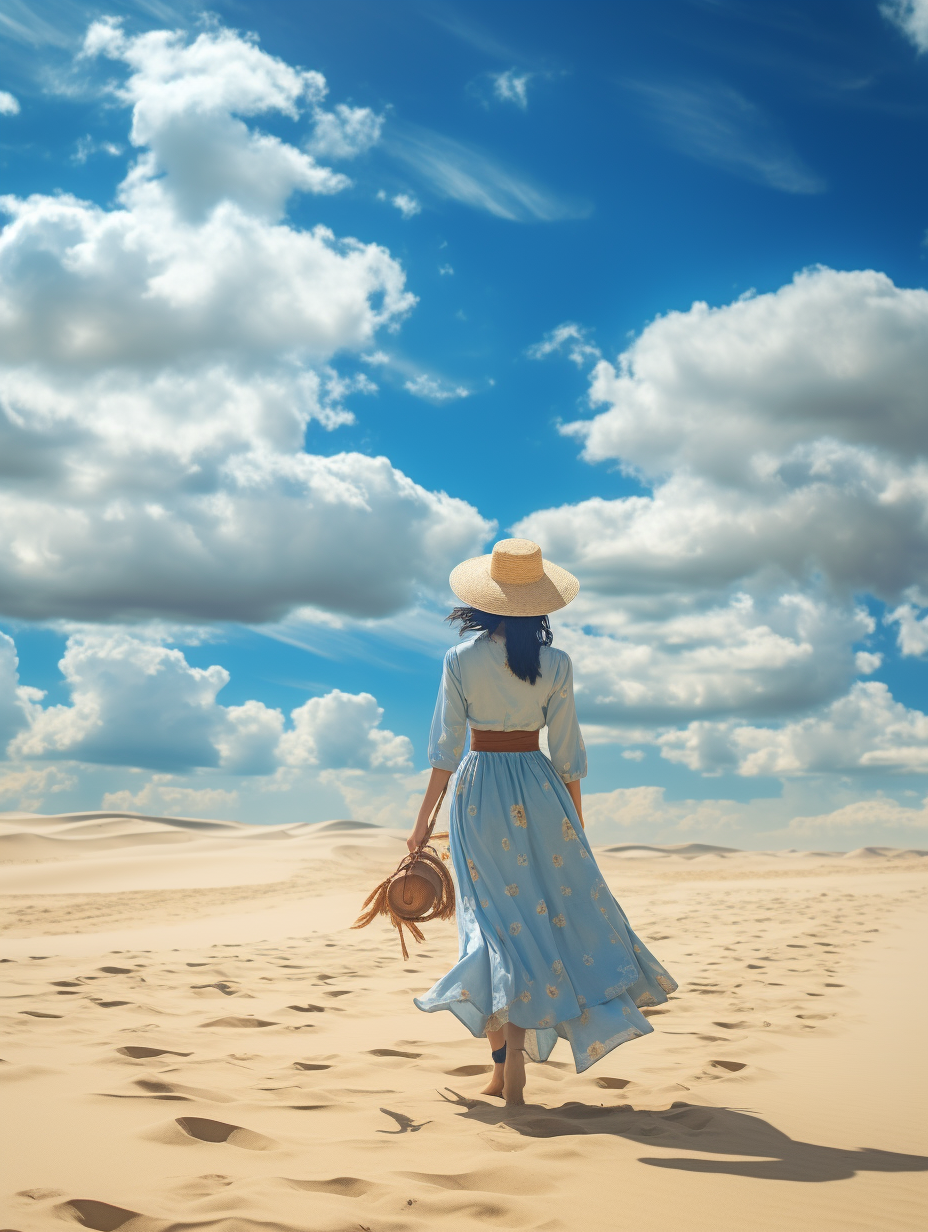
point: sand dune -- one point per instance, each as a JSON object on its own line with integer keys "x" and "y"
{"x": 151, "y": 963}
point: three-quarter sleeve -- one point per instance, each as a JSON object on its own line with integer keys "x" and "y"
{"x": 449, "y": 723}
{"x": 565, "y": 744}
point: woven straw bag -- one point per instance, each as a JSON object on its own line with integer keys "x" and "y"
{"x": 420, "y": 890}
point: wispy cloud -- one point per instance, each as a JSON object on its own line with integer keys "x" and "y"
{"x": 512, "y": 87}
{"x": 432, "y": 390}
{"x": 911, "y": 16}
{"x": 9, "y": 104}
{"x": 462, "y": 173}
{"x": 570, "y": 335}
{"x": 717, "y": 125}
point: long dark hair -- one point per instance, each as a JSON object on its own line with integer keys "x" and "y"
{"x": 525, "y": 636}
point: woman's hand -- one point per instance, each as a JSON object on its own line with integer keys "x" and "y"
{"x": 437, "y": 783}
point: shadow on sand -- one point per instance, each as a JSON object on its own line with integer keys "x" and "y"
{"x": 772, "y": 1156}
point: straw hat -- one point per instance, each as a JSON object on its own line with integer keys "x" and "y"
{"x": 514, "y": 580}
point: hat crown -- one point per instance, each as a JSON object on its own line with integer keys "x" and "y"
{"x": 516, "y": 562}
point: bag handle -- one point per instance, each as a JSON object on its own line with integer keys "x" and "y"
{"x": 435, "y": 812}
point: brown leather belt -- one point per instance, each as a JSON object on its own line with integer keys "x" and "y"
{"x": 503, "y": 741}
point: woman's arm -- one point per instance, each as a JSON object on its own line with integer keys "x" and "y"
{"x": 437, "y": 782}
{"x": 574, "y": 789}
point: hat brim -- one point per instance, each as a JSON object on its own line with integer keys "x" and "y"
{"x": 471, "y": 581}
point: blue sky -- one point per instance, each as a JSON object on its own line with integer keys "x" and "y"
{"x": 244, "y": 452}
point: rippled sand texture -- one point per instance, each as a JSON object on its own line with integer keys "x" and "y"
{"x": 192, "y": 1038}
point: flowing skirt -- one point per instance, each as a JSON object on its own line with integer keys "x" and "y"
{"x": 543, "y": 943}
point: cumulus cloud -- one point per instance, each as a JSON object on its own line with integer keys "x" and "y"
{"x": 162, "y": 796}
{"x": 911, "y": 16}
{"x": 136, "y": 702}
{"x": 27, "y": 786}
{"x": 763, "y": 656}
{"x": 345, "y": 132}
{"x": 782, "y": 435}
{"x": 160, "y": 362}
{"x": 9, "y": 104}
{"x": 867, "y": 730}
{"x": 912, "y": 633}
{"x": 341, "y": 730}
{"x": 780, "y": 442}
{"x": 717, "y": 125}
{"x": 187, "y": 100}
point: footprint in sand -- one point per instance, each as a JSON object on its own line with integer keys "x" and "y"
{"x": 309, "y": 1065}
{"x": 392, "y": 1052}
{"x": 204, "y": 1130}
{"x": 138, "y": 1053}
{"x": 613, "y": 1084}
{"x": 307, "y": 1009}
{"x": 116, "y": 970}
{"x": 99, "y": 1215}
{"x": 731, "y": 1066}
{"x": 463, "y": 1071}
{"x": 239, "y": 1022}
{"x": 40, "y": 1014}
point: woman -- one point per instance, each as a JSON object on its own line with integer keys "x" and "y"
{"x": 545, "y": 950}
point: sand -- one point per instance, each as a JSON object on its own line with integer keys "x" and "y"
{"x": 193, "y": 1038}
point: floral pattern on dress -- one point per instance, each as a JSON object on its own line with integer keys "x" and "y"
{"x": 522, "y": 860}
{"x": 505, "y": 843}
{"x": 542, "y": 908}
{"x": 557, "y": 967}
{"x": 559, "y": 920}
{"x": 566, "y": 891}
{"x": 512, "y": 890}
{"x": 552, "y": 990}
{"x": 472, "y": 869}
{"x": 515, "y": 928}
{"x": 517, "y": 813}
{"x": 596, "y": 1050}
{"x": 570, "y": 834}
{"x": 588, "y": 960}
{"x": 557, "y": 861}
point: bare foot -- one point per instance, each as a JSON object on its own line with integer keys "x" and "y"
{"x": 495, "y": 1086}
{"x": 514, "y": 1076}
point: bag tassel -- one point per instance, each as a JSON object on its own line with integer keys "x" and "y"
{"x": 378, "y": 903}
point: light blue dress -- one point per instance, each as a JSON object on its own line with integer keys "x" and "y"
{"x": 543, "y": 943}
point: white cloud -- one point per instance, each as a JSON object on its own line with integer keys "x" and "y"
{"x": 512, "y": 87}
{"x": 864, "y": 731}
{"x": 658, "y": 660}
{"x": 135, "y": 702}
{"x": 445, "y": 270}
{"x": 161, "y": 796}
{"x": 879, "y": 813}
{"x": 407, "y": 204}
{"x": 13, "y": 701}
{"x": 461, "y": 173}
{"x": 342, "y": 730}
{"x": 784, "y": 441}
{"x": 719, "y": 126}
{"x": 570, "y": 335}
{"x": 913, "y": 629}
{"x": 756, "y": 425}
{"x": 26, "y": 787}
{"x": 187, "y": 100}
{"x": 644, "y": 815}
{"x": 9, "y": 104}
{"x": 85, "y": 146}
{"x": 911, "y": 16}
{"x": 345, "y": 132}
{"x": 428, "y": 387}
{"x": 157, "y": 380}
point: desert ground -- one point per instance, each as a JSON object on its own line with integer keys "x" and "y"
{"x": 194, "y": 1038}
